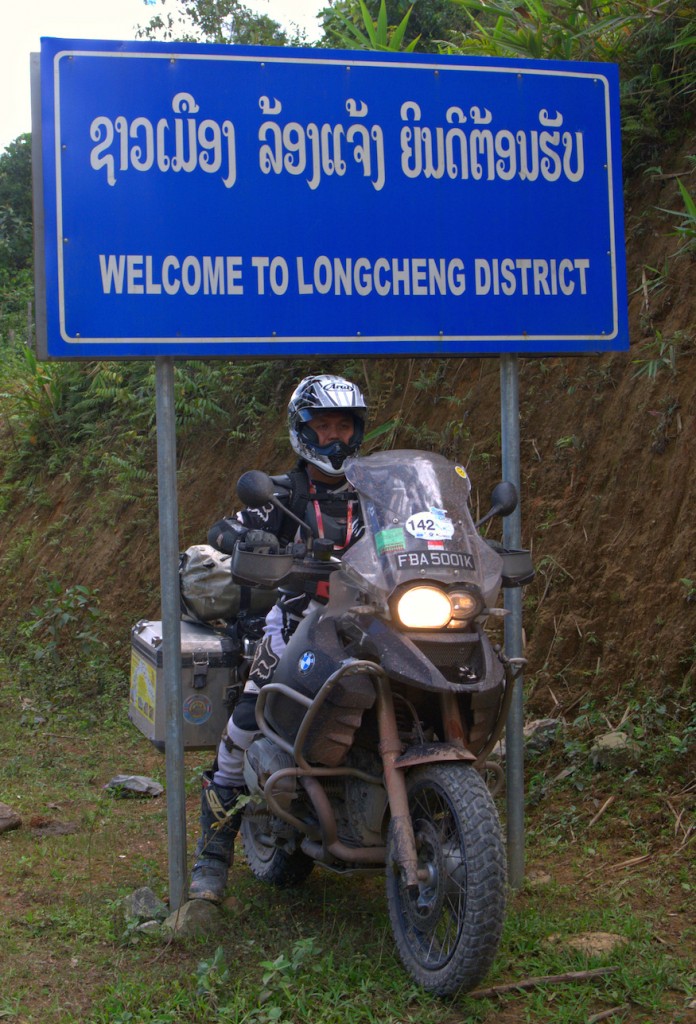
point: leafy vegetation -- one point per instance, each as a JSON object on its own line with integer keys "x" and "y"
{"x": 64, "y": 623}
{"x": 663, "y": 357}
{"x": 427, "y": 23}
{"x": 16, "y": 256}
{"x": 343, "y": 31}
{"x": 686, "y": 229}
{"x": 15, "y": 207}
{"x": 106, "y": 410}
{"x": 215, "y": 21}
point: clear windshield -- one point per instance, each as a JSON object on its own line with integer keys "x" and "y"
{"x": 417, "y": 525}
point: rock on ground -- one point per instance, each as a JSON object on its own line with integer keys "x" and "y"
{"x": 9, "y": 819}
{"x": 195, "y": 917}
{"x": 614, "y": 750}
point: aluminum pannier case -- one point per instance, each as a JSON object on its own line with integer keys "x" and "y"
{"x": 211, "y": 683}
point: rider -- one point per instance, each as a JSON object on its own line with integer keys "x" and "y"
{"x": 326, "y": 423}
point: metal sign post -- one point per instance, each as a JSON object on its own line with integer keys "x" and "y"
{"x": 171, "y": 628}
{"x": 512, "y": 538}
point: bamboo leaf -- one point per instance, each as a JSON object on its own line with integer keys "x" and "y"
{"x": 688, "y": 200}
{"x": 383, "y": 428}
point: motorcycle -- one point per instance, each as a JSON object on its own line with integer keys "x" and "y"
{"x": 378, "y": 722}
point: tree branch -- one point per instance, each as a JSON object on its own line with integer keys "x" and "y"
{"x": 549, "y": 979}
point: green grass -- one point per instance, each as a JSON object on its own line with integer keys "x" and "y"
{"x": 323, "y": 952}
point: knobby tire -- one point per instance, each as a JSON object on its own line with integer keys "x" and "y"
{"x": 448, "y": 932}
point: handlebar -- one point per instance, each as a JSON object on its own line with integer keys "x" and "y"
{"x": 260, "y": 569}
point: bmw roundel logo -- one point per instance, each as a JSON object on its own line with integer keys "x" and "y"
{"x": 307, "y": 661}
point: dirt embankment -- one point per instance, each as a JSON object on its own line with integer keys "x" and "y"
{"x": 609, "y": 491}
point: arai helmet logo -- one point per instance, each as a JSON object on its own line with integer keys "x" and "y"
{"x": 307, "y": 661}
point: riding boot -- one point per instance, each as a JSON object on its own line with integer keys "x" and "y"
{"x": 215, "y": 848}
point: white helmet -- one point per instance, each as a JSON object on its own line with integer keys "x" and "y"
{"x": 318, "y": 394}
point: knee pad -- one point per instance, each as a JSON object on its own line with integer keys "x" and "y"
{"x": 243, "y": 715}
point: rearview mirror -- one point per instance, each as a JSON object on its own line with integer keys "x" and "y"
{"x": 503, "y": 501}
{"x": 255, "y": 488}
{"x": 503, "y": 498}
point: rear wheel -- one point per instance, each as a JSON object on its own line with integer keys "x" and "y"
{"x": 448, "y": 930}
{"x": 269, "y": 862}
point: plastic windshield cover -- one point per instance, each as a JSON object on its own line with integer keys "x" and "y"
{"x": 417, "y": 524}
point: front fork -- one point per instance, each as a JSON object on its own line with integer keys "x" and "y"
{"x": 391, "y": 750}
{"x": 390, "y": 747}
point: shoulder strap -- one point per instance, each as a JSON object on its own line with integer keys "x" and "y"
{"x": 298, "y": 500}
{"x": 298, "y": 483}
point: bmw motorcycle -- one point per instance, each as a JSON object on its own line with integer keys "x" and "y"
{"x": 379, "y": 719}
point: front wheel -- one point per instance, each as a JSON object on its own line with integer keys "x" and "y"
{"x": 448, "y": 930}
{"x": 268, "y": 862}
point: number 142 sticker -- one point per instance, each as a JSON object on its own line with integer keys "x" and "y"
{"x": 430, "y": 525}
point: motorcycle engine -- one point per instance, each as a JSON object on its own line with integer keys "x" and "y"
{"x": 362, "y": 811}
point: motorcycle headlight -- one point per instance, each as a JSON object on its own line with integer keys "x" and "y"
{"x": 465, "y": 605}
{"x": 426, "y": 607}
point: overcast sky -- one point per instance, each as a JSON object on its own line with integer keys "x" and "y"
{"x": 93, "y": 19}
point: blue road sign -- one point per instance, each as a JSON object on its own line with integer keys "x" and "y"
{"x": 217, "y": 200}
